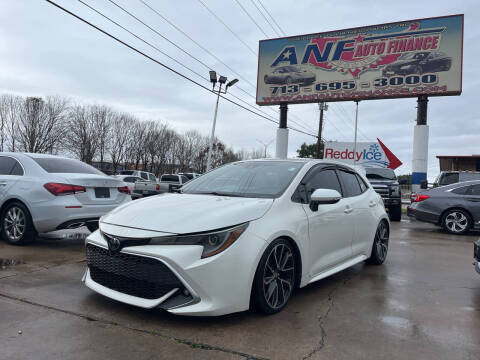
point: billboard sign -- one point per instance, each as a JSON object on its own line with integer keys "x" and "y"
{"x": 367, "y": 154}
{"x": 402, "y": 59}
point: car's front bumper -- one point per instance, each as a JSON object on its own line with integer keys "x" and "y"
{"x": 392, "y": 201}
{"x": 219, "y": 284}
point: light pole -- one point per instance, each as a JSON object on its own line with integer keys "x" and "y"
{"x": 222, "y": 80}
{"x": 265, "y": 145}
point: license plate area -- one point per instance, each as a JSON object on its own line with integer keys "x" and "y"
{"x": 102, "y": 193}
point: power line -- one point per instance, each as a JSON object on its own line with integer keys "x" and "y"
{"x": 266, "y": 19}
{"x": 264, "y": 8}
{"x": 251, "y": 18}
{"x": 229, "y": 29}
{"x": 131, "y": 47}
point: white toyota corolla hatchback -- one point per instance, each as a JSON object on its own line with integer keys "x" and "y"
{"x": 245, "y": 234}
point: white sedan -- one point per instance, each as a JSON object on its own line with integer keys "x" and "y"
{"x": 42, "y": 193}
{"x": 247, "y": 233}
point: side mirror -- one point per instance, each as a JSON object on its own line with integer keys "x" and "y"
{"x": 403, "y": 181}
{"x": 323, "y": 197}
{"x": 424, "y": 184}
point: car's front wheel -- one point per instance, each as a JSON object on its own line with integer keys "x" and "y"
{"x": 456, "y": 222}
{"x": 16, "y": 224}
{"x": 275, "y": 278}
{"x": 380, "y": 244}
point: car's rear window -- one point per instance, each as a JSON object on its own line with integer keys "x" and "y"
{"x": 62, "y": 165}
{"x": 126, "y": 172}
{"x": 172, "y": 178}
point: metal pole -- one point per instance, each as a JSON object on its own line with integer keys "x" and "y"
{"x": 420, "y": 145}
{"x": 212, "y": 136}
{"x": 321, "y": 106}
{"x": 355, "y": 141}
{"x": 281, "y": 150}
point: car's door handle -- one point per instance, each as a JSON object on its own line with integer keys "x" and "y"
{"x": 348, "y": 210}
{"x": 372, "y": 203}
{"x": 3, "y": 184}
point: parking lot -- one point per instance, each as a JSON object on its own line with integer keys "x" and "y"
{"x": 423, "y": 303}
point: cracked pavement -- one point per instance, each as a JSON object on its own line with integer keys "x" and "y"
{"x": 423, "y": 303}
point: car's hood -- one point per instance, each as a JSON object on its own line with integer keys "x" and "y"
{"x": 187, "y": 213}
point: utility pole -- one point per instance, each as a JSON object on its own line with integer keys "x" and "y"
{"x": 281, "y": 150}
{"x": 322, "y": 107}
{"x": 265, "y": 145}
{"x": 420, "y": 145}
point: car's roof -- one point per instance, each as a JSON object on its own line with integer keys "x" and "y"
{"x": 35, "y": 155}
{"x": 304, "y": 160}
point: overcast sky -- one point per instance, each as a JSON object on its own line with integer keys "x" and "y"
{"x": 46, "y": 52}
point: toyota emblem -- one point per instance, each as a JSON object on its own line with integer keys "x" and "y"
{"x": 114, "y": 244}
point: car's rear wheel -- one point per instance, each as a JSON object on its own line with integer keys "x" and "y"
{"x": 16, "y": 224}
{"x": 380, "y": 244}
{"x": 456, "y": 222}
{"x": 275, "y": 278}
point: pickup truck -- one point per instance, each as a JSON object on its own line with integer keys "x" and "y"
{"x": 138, "y": 186}
{"x": 152, "y": 188}
{"x": 171, "y": 182}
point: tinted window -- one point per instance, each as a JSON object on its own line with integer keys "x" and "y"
{"x": 171, "y": 178}
{"x": 363, "y": 186}
{"x": 17, "y": 169}
{"x": 259, "y": 179}
{"x": 469, "y": 176}
{"x": 126, "y": 172}
{"x": 350, "y": 182}
{"x": 61, "y": 165}
{"x": 130, "y": 179}
{"x": 379, "y": 174}
{"x": 184, "y": 179}
{"x": 460, "y": 191}
{"x": 324, "y": 179}
{"x": 6, "y": 165}
{"x": 449, "y": 178}
{"x": 152, "y": 177}
{"x": 144, "y": 175}
{"x": 474, "y": 190}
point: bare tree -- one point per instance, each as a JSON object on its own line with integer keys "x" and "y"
{"x": 9, "y": 110}
{"x": 102, "y": 118}
{"x": 81, "y": 139}
{"x": 122, "y": 125}
{"x": 40, "y": 124}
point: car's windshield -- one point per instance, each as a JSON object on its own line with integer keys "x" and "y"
{"x": 262, "y": 179}
{"x": 380, "y": 174}
{"x": 411, "y": 56}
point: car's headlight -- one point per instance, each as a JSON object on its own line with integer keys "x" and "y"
{"x": 213, "y": 242}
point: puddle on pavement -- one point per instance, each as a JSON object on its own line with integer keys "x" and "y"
{"x": 5, "y": 263}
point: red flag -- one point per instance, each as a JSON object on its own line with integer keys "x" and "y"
{"x": 394, "y": 162}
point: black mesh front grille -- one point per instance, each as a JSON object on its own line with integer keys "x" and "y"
{"x": 130, "y": 274}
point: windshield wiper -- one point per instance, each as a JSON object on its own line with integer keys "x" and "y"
{"x": 218, "y": 193}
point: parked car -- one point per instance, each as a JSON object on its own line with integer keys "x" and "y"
{"x": 384, "y": 182}
{"x": 455, "y": 207}
{"x": 138, "y": 186}
{"x": 171, "y": 182}
{"x": 452, "y": 177}
{"x": 286, "y": 75}
{"x": 190, "y": 176}
{"x": 419, "y": 63}
{"x": 476, "y": 255}
{"x": 42, "y": 193}
{"x": 245, "y": 233}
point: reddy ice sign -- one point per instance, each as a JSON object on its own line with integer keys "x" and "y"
{"x": 367, "y": 154}
{"x": 403, "y": 59}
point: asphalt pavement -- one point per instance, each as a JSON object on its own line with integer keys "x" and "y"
{"x": 423, "y": 303}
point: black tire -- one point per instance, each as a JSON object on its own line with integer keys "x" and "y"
{"x": 456, "y": 221}
{"x": 380, "y": 244}
{"x": 16, "y": 224}
{"x": 270, "y": 277}
{"x": 395, "y": 213}
{"x": 92, "y": 226}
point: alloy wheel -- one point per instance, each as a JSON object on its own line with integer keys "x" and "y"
{"x": 279, "y": 276}
{"x": 15, "y": 223}
{"x": 456, "y": 222}
{"x": 381, "y": 241}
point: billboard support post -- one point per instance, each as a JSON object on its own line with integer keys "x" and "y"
{"x": 356, "y": 127}
{"x": 420, "y": 145}
{"x": 323, "y": 107}
{"x": 281, "y": 150}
